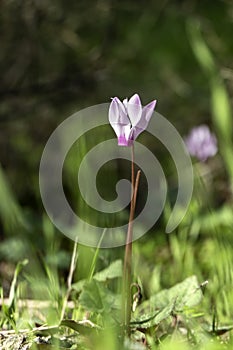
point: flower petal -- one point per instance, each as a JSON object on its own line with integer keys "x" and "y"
{"x": 148, "y": 110}
{"x": 117, "y": 112}
{"x": 113, "y": 113}
{"x": 134, "y": 108}
{"x": 123, "y": 136}
{"x": 143, "y": 122}
{"x": 129, "y": 119}
{"x": 125, "y": 103}
{"x": 117, "y": 128}
{"x": 122, "y": 141}
{"x": 201, "y": 143}
{"x": 136, "y": 132}
{"x": 123, "y": 117}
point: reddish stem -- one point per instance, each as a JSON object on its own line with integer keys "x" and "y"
{"x": 127, "y": 272}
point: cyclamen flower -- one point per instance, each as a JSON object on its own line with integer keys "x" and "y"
{"x": 201, "y": 143}
{"x": 129, "y": 118}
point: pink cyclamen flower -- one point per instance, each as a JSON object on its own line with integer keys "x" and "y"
{"x": 201, "y": 143}
{"x": 129, "y": 118}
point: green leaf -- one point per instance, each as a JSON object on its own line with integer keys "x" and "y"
{"x": 78, "y": 286}
{"x": 9, "y": 310}
{"x": 114, "y": 270}
{"x": 161, "y": 305}
{"x": 150, "y": 319}
{"x": 93, "y": 265}
{"x": 185, "y": 294}
{"x": 97, "y": 298}
{"x": 13, "y": 287}
{"x": 80, "y": 327}
{"x": 200, "y": 49}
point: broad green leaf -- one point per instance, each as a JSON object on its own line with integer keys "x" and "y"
{"x": 152, "y": 319}
{"x": 114, "y": 270}
{"x": 97, "y": 298}
{"x": 161, "y": 305}
{"x": 78, "y": 286}
{"x": 185, "y": 294}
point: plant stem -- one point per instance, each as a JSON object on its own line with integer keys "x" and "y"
{"x": 127, "y": 271}
{"x": 69, "y": 279}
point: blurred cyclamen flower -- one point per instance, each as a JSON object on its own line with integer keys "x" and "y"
{"x": 201, "y": 143}
{"x": 129, "y": 118}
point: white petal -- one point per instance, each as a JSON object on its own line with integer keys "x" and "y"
{"x": 117, "y": 112}
{"x": 123, "y": 116}
{"x": 125, "y": 103}
{"x": 118, "y": 128}
{"x": 134, "y": 109}
{"x": 113, "y": 114}
{"x": 148, "y": 110}
{"x": 146, "y": 115}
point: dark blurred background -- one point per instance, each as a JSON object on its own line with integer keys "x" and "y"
{"x": 58, "y": 57}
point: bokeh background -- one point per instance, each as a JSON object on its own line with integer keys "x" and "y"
{"x": 59, "y": 57}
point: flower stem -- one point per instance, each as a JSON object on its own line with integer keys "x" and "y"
{"x": 127, "y": 271}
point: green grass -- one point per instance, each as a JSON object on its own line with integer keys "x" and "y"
{"x": 171, "y": 314}
{"x": 63, "y": 300}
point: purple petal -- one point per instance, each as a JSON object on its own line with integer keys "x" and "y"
{"x": 201, "y": 143}
{"x": 122, "y": 141}
{"x": 143, "y": 122}
{"x": 123, "y": 138}
{"x": 135, "y": 132}
{"x": 135, "y": 99}
{"x": 134, "y": 108}
{"x": 148, "y": 110}
{"x": 129, "y": 119}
